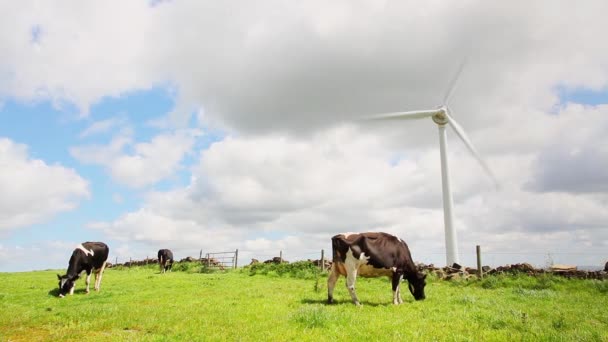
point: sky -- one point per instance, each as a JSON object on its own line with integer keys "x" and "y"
{"x": 205, "y": 126}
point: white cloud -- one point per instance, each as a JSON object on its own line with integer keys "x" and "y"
{"x": 148, "y": 163}
{"x": 274, "y": 66}
{"x": 253, "y": 193}
{"x": 102, "y": 126}
{"x": 305, "y": 191}
{"x": 295, "y": 68}
{"x": 576, "y": 158}
{"x": 83, "y": 51}
{"x": 117, "y": 198}
{"x": 32, "y": 190}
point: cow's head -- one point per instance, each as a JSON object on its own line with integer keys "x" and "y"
{"x": 66, "y": 284}
{"x": 416, "y": 285}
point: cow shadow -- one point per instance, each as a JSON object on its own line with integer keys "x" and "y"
{"x": 55, "y": 292}
{"x": 309, "y": 301}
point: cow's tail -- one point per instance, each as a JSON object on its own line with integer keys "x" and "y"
{"x": 336, "y": 242}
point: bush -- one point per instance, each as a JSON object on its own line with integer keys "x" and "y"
{"x": 545, "y": 282}
{"x": 490, "y": 282}
{"x": 299, "y": 269}
{"x": 540, "y": 282}
{"x": 600, "y": 285}
{"x": 185, "y": 267}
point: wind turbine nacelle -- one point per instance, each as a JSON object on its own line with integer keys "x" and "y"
{"x": 441, "y": 118}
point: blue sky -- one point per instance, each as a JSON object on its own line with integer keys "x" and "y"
{"x": 49, "y": 132}
{"x": 240, "y": 129}
{"x": 583, "y": 96}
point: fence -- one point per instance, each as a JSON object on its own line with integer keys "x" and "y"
{"x": 494, "y": 258}
{"x": 221, "y": 260}
{"x": 318, "y": 257}
{"x": 589, "y": 260}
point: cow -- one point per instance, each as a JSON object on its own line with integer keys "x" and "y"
{"x": 165, "y": 260}
{"x": 373, "y": 254}
{"x": 88, "y": 256}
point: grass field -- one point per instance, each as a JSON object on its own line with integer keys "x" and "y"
{"x": 141, "y": 304}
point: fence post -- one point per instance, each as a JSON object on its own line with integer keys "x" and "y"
{"x": 322, "y": 260}
{"x": 116, "y": 262}
{"x": 200, "y": 256}
{"x": 280, "y": 257}
{"x": 236, "y": 258}
{"x": 479, "y": 270}
{"x": 130, "y": 262}
{"x": 208, "y": 262}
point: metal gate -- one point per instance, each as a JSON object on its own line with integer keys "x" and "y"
{"x": 221, "y": 260}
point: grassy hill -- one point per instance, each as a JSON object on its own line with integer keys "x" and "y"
{"x": 281, "y": 304}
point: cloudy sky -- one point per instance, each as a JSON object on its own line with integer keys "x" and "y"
{"x": 205, "y": 125}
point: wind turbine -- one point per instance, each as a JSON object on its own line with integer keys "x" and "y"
{"x": 442, "y": 117}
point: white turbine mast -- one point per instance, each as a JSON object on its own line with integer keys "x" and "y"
{"x": 442, "y": 117}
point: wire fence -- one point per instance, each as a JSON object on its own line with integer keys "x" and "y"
{"x": 540, "y": 259}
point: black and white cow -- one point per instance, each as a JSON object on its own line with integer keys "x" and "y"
{"x": 373, "y": 255}
{"x": 88, "y": 256}
{"x": 165, "y": 260}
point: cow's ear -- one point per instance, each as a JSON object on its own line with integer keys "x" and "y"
{"x": 58, "y": 277}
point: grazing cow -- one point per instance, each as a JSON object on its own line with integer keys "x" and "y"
{"x": 165, "y": 260}
{"x": 373, "y": 255}
{"x": 88, "y": 256}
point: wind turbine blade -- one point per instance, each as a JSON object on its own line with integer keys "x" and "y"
{"x": 452, "y": 83}
{"x": 463, "y": 136}
{"x": 415, "y": 114}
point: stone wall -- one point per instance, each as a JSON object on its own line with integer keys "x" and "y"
{"x": 458, "y": 272}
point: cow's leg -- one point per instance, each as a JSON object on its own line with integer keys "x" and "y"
{"x": 352, "y": 265}
{"x": 72, "y": 289}
{"x": 399, "y": 294}
{"x": 98, "y": 276}
{"x": 351, "y": 277}
{"x": 331, "y": 283}
{"x": 396, "y": 288}
{"x": 88, "y": 280}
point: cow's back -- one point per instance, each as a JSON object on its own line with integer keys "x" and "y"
{"x": 100, "y": 250}
{"x": 165, "y": 255}
{"x": 384, "y": 250}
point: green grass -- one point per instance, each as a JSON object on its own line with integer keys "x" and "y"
{"x": 287, "y": 304}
